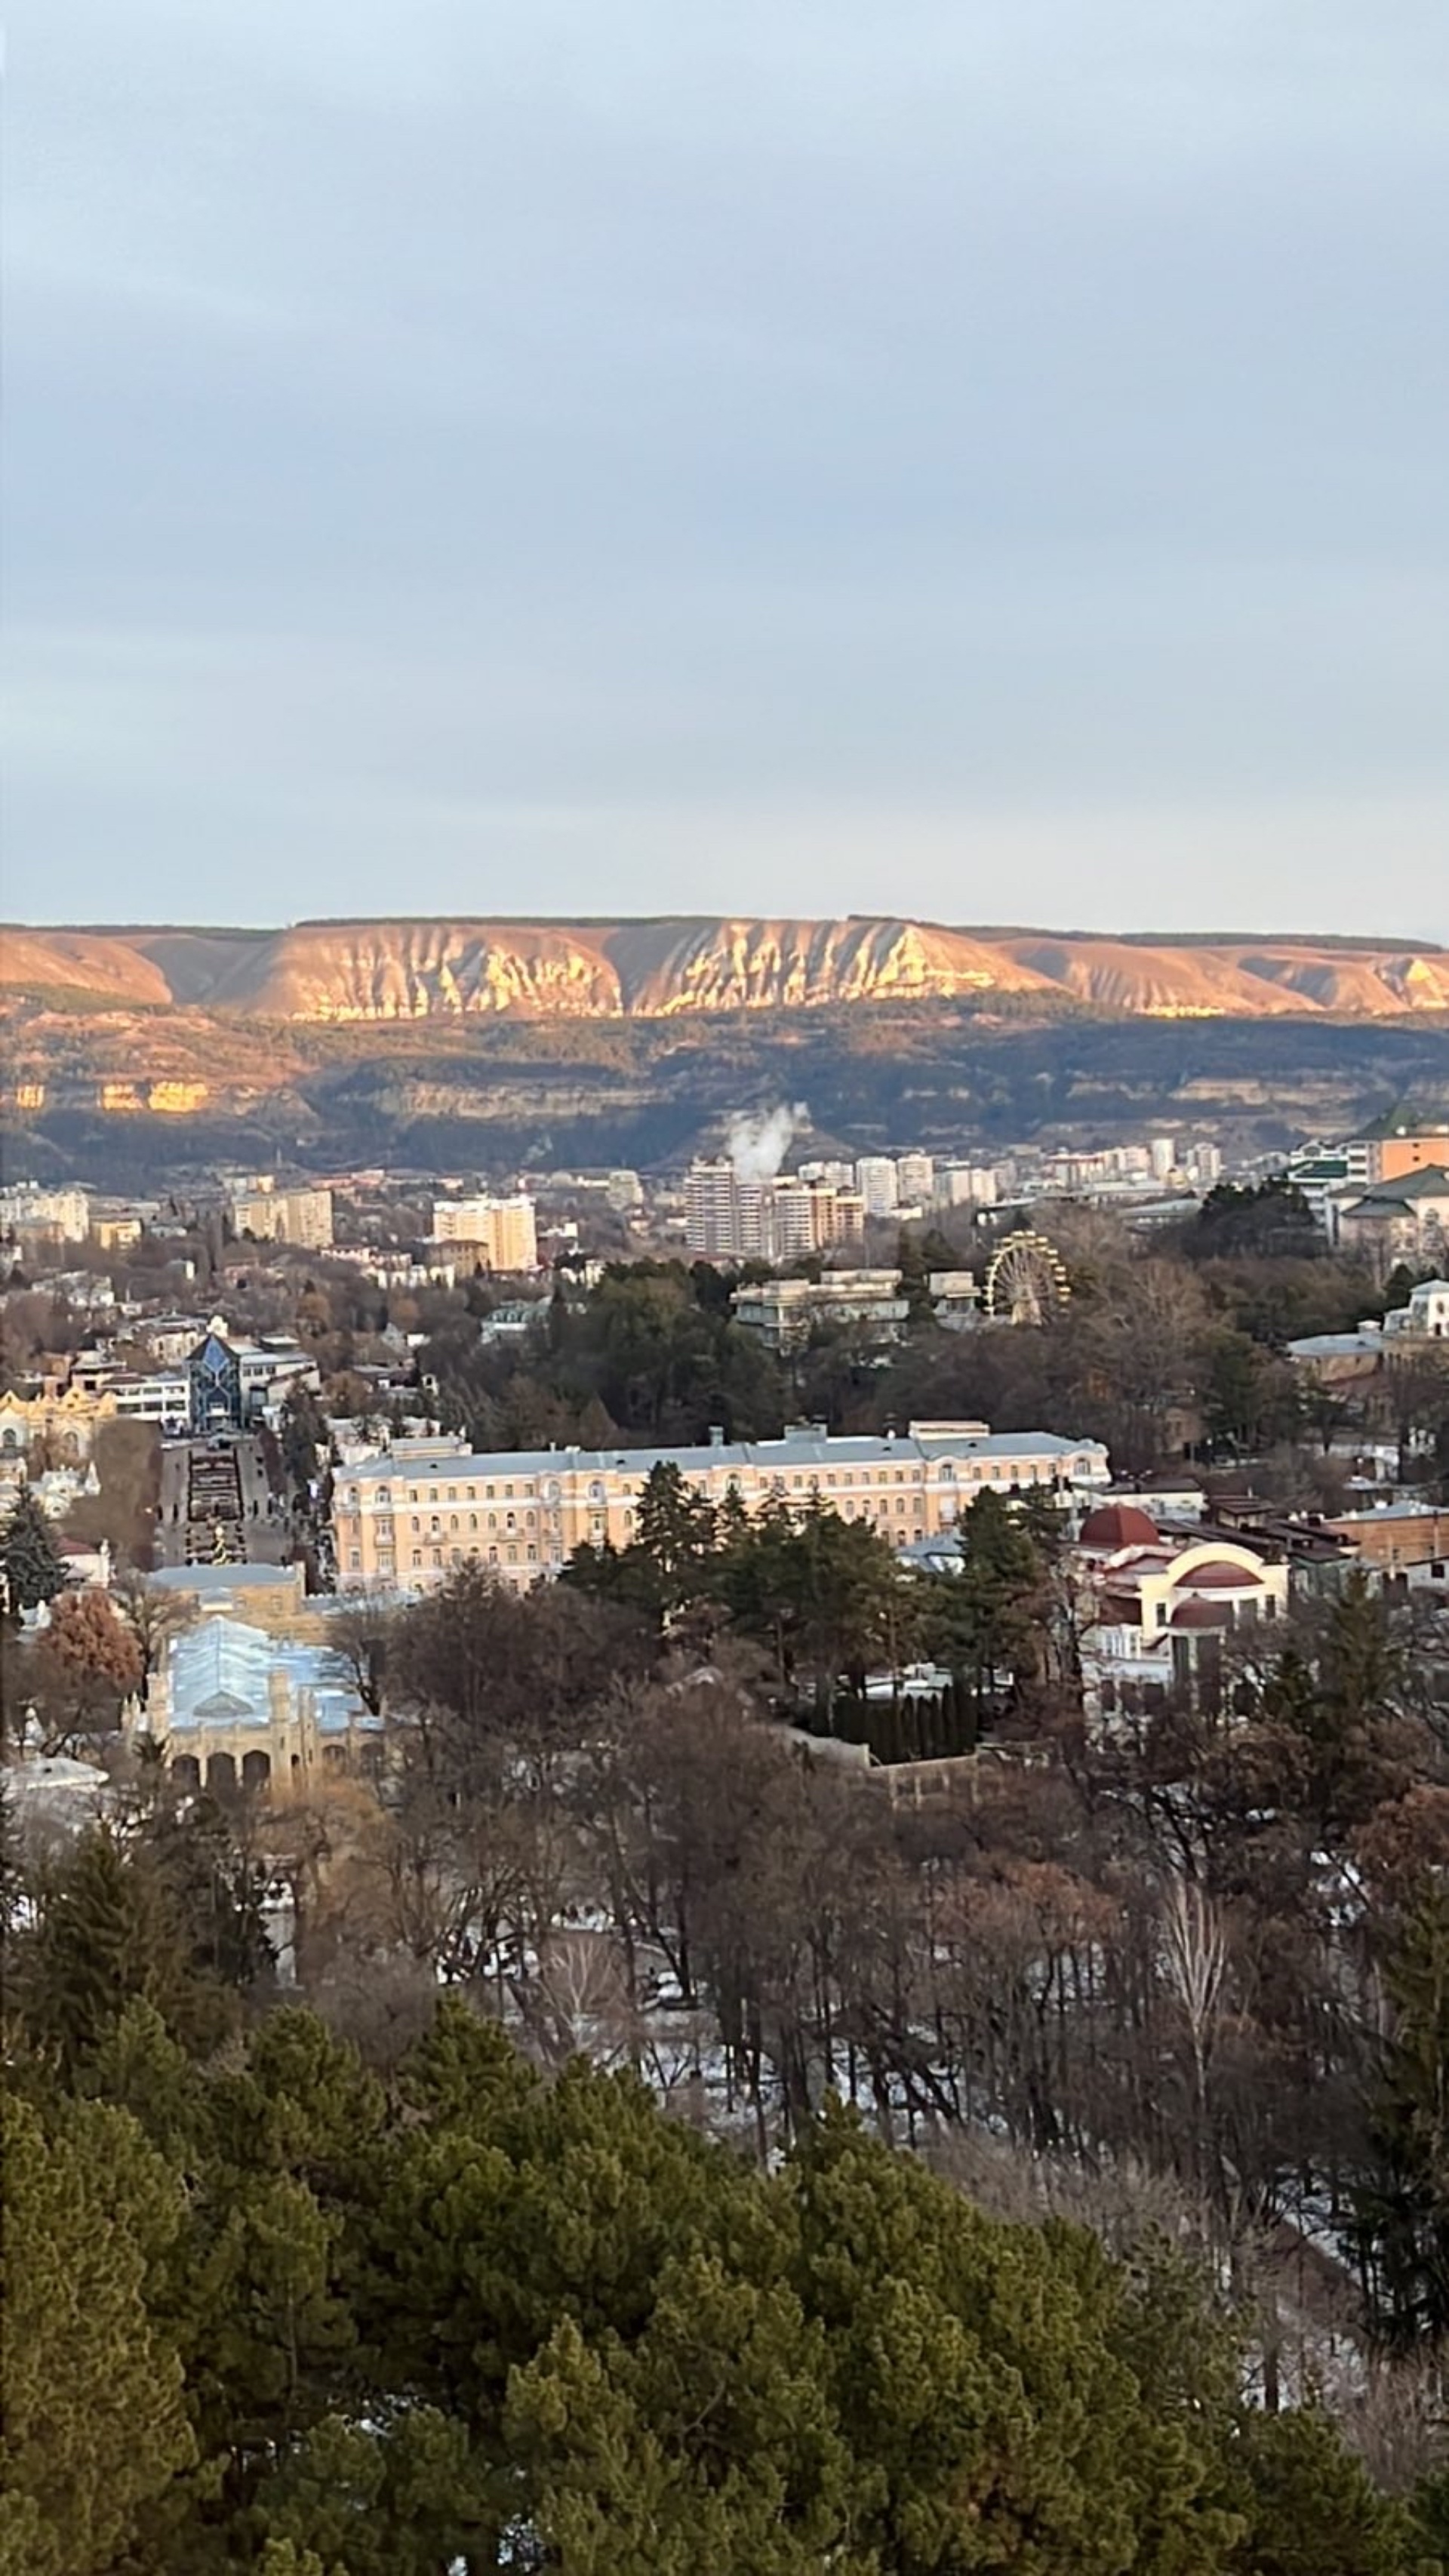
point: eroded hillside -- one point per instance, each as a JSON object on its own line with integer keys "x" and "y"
{"x": 326, "y": 972}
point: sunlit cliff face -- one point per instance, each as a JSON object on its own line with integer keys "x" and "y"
{"x": 420, "y": 970}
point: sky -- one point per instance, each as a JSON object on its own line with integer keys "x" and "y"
{"x": 977, "y": 459}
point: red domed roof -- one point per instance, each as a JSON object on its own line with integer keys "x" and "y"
{"x": 1219, "y": 1576}
{"x": 1114, "y": 1525}
{"x": 1201, "y": 1614}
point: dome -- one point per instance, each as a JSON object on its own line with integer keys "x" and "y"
{"x": 1114, "y": 1525}
{"x": 1219, "y": 1576}
{"x": 1201, "y": 1614}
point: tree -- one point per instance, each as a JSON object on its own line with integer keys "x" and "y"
{"x": 95, "y": 2428}
{"x": 33, "y": 1570}
{"x": 86, "y": 1664}
{"x": 825, "y": 1594}
{"x": 153, "y": 1615}
{"x": 986, "y": 1620}
{"x": 363, "y": 1633}
{"x": 674, "y": 1534}
{"x": 1402, "y": 2229}
{"x": 108, "y": 1931}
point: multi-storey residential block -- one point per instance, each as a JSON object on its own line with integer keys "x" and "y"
{"x": 269, "y": 1215}
{"x": 730, "y": 1219}
{"x": 408, "y": 1523}
{"x": 44, "y": 1216}
{"x": 501, "y": 1233}
{"x": 781, "y": 1312}
{"x": 878, "y": 1182}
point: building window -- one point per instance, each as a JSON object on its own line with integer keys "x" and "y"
{"x": 355, "y": 1561}
{"x": 472, "y": 1493}
{"x": 455, "y": 1556}
{"x": 532, "y": 1554}
{"x": 417, "y": 1524}
{"x": 472, "y": 1520}
{"x": 513, "y": 1556}
{"x": 493, "y": 1556}
{"x": 384, "y": 1496}
{"x": 417, "y": 1554}
{"x": 509, "y": 1521}
{"x": 437, "y": 1556}
{"x": 452, "y": 1493}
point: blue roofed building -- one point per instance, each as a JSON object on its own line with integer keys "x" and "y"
{"x": 238, "y": 1708}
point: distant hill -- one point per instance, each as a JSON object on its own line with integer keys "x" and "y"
{"x": 419, "y": 970}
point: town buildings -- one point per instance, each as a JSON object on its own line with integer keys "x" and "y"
{"x": 730, "y": 1217}
{"x": 1152, "y": 1607}
{"x": 270, "y": 1215}
{"x": 1402, "y": 1218}
{"x": 499, "y": 1233}
{"x": 410, "y": 1522}
{"x": 782, "y": 1313}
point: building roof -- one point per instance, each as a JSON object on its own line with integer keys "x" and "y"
{"x": 1431, "y": 1181}
{"x": 206, "y": 1580}
{"x": 1201, "y": 1614}
{"x": 796, "y": 1450}
{"x": 1336, "y": 1346}
{"x": 220, "y": 1673}
{"x": 1220, "y": 1576}
{"x": 1114, "y": 1525}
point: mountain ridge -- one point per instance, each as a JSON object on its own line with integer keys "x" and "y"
{"x": 415, "y": 967}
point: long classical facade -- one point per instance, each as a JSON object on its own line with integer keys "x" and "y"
{"x": 404, "y": 1524}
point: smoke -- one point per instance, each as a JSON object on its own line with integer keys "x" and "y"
{"x": 758, "y": 1146}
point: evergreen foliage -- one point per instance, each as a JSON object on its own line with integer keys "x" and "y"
{"x": 263, "y": 2313}
{"x": 32, "y": 1566}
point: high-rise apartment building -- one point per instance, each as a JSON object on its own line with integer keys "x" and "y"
{"x": 50, "y": 1216}
{"x": 966, "y": 1185}
{"x": 502, "y": 1234}
{"x": 916, "y": 1179}
{"x": 878, "y": 1182}
{"x": 724, "y": 1217}
{"x": 284, "y": 1216}
{"x": 729, "y": 1219}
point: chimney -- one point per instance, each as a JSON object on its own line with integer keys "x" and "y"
{"x": 716, "y": 1435}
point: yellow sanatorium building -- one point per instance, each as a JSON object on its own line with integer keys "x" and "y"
{"x": 404, "y": 1522}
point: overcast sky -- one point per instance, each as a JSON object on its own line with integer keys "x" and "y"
{"x": 977, "y": 458}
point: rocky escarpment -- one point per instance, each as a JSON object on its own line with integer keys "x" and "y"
{"x": 338, "y": 971}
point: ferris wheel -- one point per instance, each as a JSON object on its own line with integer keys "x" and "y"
{"x": 1026, "y": 1279}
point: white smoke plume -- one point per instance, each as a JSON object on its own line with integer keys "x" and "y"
{"x": 758, "y": 1146}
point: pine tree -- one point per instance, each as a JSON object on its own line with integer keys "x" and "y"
{"x": 32, "y": 1568}
{"x": 108, "y": 1933}
{"x": 94, "y": 2424}
{"x": 1402, "y": 2230}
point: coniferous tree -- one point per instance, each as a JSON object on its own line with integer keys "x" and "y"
{"x": 1402, "y": 2229}
{"x": 32, "y": 1567}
